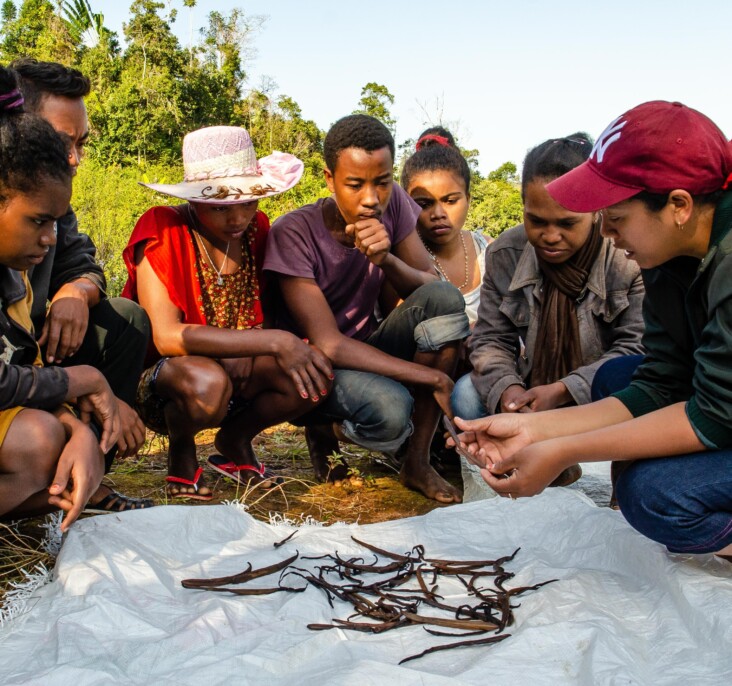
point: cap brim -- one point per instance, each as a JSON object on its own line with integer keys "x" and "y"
{"x": 584, "y": 190}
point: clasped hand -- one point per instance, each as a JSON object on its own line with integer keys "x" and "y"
{"x": 371, "y": 238}
{"x": 512, "y": 462}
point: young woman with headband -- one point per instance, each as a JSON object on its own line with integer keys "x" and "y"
{"x": 437, "y": 177}
{"x": 661, "y": 174}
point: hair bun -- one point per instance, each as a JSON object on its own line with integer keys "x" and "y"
{"x": 432, "y": 139}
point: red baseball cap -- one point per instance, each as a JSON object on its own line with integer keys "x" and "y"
{"x": 656, "y": 147}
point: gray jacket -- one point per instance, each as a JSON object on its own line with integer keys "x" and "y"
{"x": 501, "y": 347}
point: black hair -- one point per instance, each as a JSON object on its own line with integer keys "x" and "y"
{"x": 555, "y": 157}
{"x": 655, "y": 202}
{"x": 356, "y": 131}
{"x": 31, "y": 152}
{"x": 438, "y": 131}
{"x": 435, "y": 155}
{"x": 39, "y": 79}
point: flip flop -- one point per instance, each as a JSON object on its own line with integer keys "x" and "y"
{"x": 189, "y": 495}
{"x": 117, "y": 502}
{"x": 223, "y": 466}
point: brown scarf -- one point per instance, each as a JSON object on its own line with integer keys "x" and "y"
{"x": 557, "y": 351}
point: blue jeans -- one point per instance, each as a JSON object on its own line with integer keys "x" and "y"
{"x": 465, "y": 400}
{"x": 374, "y": 411}
{"x": 684, "y": 501}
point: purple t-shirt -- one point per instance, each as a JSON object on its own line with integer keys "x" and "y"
{"x": 299, "y": 244}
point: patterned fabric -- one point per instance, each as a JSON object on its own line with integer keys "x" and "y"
{"x": 172, "y": 253}
{"x": 234, "y": 304}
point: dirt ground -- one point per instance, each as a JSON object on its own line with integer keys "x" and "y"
{"x": 371, "y": 494}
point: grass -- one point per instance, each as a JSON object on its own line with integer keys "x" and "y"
{"x": 371, "y": 494}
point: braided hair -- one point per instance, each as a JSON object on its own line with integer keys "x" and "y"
{"x": 31, "y": 152}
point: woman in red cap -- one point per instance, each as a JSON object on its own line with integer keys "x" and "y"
{"x": 660, "y": 174}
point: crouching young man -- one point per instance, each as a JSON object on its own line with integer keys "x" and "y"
{"x": 332, "y": 260}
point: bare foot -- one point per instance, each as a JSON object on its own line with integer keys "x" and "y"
{"x": 427, "y": 481}
{"x": 187, "y": 485}
{"x": 322, "y": 443}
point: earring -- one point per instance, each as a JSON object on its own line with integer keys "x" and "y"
{"x": 679, "y": 226}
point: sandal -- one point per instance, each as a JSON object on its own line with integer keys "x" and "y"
{"x": 223, "y": 466}
{"x": 117, "y": 502}
{"x": 194, "y": 494}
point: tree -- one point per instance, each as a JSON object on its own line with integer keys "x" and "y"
{"x": 8, "y": 13}
{"x": 35, "y": 31}
{"x": 496, "y": 203}
{"x": 375, "y": 101}
{"x": 507, "y": 173}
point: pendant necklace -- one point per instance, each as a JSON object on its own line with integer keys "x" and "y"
{"x": 443, "y": 272}
{"x": 219, "y": 277}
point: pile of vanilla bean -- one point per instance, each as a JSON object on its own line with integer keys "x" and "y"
{"x": 395, "y": 594}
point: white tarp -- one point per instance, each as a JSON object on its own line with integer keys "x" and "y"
{"x": 622, "y": 612}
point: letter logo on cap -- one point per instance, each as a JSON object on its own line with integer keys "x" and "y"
{"x": 607, "y": 138}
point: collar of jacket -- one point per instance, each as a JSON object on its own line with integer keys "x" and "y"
{"x": 528, "y": 273}
{"x": 12, "y": 286}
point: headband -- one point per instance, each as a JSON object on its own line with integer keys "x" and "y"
{"x": 440, "y": 140}
{"x": 16, "y": 100}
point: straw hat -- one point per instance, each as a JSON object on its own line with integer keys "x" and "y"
{"x": 220, "y": 166}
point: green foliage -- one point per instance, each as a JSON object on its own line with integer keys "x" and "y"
{"x": 36, "y": 31}
{"x": 507, "y": 173}
{"x": 108, "y": 201}
{"x": 496, "y": 204}
{"x": 375, "y": 101}
{"x": 147, "y": 96}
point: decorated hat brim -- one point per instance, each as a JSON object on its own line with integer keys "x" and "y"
{"x": 279, "y": 173}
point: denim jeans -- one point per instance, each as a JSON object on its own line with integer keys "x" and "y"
{"x": 374, "y": 411}
{"x": 465, "y": 400}
{"x": 684, "y": 501}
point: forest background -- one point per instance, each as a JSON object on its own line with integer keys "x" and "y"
{"x": 148, "y": 92}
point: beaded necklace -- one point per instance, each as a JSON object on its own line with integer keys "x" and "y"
{"x": 442, "y": 270}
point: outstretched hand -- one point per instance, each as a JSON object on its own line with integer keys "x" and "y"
{"x": 526, "y": 472}
{"x": 491, "y": 439}
{"x": 78, "y": 474}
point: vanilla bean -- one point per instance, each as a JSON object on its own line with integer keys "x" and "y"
{"x": 247, "y": 575}
{"x": 284, "y": 540}
{"x": 459, "y": 644}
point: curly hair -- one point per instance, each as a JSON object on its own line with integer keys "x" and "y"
{"x": 31, "y": 152}
{"x": 356, "y": 131}
{"x": 39, "y": 79}
{"x": 436, "y": 152}
{"x": 555, "y": 157}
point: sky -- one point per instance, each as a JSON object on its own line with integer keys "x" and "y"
{"x": 504, "y": 76}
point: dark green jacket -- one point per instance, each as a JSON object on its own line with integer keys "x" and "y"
{"x": 688, "y": 337}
